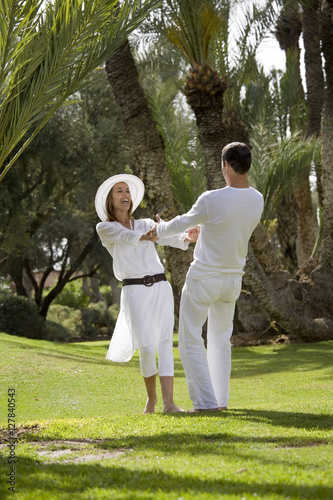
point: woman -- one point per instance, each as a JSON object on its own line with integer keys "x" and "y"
{"x": 146, "y": 316}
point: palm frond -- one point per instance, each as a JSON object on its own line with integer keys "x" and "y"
{"x": 47, "y": 54}
{"x": 182, "y": 149}
{"x": 278, "y": 164}
{"x": 191, "y": 26}
{"x": 249, "y": 27}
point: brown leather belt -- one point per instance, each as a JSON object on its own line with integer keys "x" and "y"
{"x": 146, "y": 280}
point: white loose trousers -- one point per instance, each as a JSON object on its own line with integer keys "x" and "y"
{"x": 208, "y": 374}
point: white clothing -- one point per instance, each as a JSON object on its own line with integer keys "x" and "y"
{"x": 133, "y": 258}
{"x": 165, "y": 360}
{"x": 208, "y": 375}
{"x": 227, "y": 217}
{"x": 146, "y": 314}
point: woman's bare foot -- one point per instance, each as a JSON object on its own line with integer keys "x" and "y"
{"x": 171, "y": 408}
{"x": 150, "y": 406}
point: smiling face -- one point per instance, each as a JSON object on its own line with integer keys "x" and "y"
{"x": 121, "y": 196}
{"x": 118, "y": 202}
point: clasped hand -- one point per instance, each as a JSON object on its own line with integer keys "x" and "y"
{"x": 151, "y": 235}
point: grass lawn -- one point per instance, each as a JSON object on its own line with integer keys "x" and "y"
{"x": 81, "y": 434}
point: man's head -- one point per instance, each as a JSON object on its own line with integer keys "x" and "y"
{"x": 238, "y": 156}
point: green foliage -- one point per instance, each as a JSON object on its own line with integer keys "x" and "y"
{"x": 182, "y": 147}
{"x": 277, "y": 165}
{"x": 106, "y": 293}
{"x": 191, "y": 26}
{"x": 68, "y": 40}
{"x": 72, "y": 295}
{"x": 94, "y": 318}
{"x": 56, "y": 332}
{"x": 67, "y": 318}
{"x": 113, "y": 313}
{"x": 87, "y": 322}
{"x": 5, "y": 285}
{"x": 19, "y": 316}
{"x": 47, "y": 216}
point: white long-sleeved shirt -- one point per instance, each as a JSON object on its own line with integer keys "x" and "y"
{"x": 227, "y": 217}
{"x": 133, "y": 258}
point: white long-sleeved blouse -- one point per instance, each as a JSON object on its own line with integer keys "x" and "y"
{"x": 146, "y": 313}
{"x": 133, "y": 258}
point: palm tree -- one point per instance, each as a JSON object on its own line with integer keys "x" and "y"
{"x": 313, "y": 75}
{"x": 287, "y": 31}
{"x": 191, "y": 26}
{"x": 46, "y": 54}
{"x": 148, "y": 149}
{"x": 200, "y": 30}
{"x": 323, "y": 274}
{"x": 274, "y": 291}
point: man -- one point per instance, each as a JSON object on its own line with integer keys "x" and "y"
{"x": 227, "y": 218}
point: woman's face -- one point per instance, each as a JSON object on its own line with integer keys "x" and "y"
{"x": 121, "y": 196}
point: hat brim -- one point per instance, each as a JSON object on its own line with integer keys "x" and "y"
{"x": 135, "y": 185}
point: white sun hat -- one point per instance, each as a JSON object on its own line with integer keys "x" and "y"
{"x": 135, "y": 185}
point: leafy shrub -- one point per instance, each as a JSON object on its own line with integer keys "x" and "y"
{"x": 57, "y": 332}
{"x": 67, "y": 317}
{"x": 106, "y": 293}
{"x": 95, "y": 317}
{"x": 19, "y": 316}
{"x": 72, "y": 295}
{"x": 113, "y": 312}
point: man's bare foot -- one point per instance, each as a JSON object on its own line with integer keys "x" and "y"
{"x": 150, "y": 406}
{"x": 171, "y": 408}
{"x": 201, "y": 409}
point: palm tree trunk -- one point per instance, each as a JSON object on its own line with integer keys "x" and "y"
{"x": 286, "y": 213}
{"x": 323, "y": 274}
{"x": 148, "y": 149}
{"x": 287, "y": 32}
{"x": 314, "y": 76}
{"x": 208, "y": 114}
{"x": 274, "y": 304}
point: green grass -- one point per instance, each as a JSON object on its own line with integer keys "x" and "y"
{"x": 90, "y": 440}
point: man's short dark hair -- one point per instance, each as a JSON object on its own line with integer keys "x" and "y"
{"x": 238, "y": 155}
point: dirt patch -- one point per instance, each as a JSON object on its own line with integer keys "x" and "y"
{"x": 81, "y": 451}
{"x": 73, "y": 451}
{"x": 20, "y": 431}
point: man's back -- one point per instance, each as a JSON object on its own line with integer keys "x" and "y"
{"x": 230, "y": 216}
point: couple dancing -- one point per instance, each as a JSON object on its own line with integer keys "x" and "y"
{"x": 221, "y": 222}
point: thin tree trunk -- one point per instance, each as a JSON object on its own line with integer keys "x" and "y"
{"x": 287, "y": 33}
{"x": 65, "y": 276}
{"x": 148, "y": 149}
{"x": 326, "y": 255}
{"x": 314, "y": 76}
{"x": 323, "y": 274}
{"x": 15, "y": 270}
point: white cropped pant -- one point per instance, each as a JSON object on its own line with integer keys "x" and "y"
{"x": 208, "y": 374}
{"x": 165, "y": 359}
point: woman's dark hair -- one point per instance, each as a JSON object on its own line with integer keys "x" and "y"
{"x": 111, "y": 216}
{"x": 238, "y": 155}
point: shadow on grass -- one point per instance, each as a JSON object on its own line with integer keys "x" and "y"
{"x": 297, "y": 420}
{"x": 249, "y": 361}
{"x": 52, "y": 481}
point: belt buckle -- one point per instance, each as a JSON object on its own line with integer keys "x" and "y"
{"x": 148, "y": 280}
